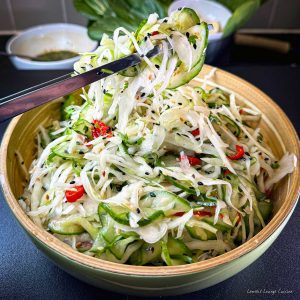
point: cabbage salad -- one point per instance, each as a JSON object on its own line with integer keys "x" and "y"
{"x": 144, "y": 168}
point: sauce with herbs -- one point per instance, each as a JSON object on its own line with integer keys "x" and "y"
{"x": 55, "y": 55}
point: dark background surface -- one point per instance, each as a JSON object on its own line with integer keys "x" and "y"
{"x": 26, "y": 274}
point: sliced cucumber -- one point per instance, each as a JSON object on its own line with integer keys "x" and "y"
{"x": 175, "y": 252}
{"x": 73, "y": 225}
{"x": 165, "y": 255}
{"x": 65, "y": 227}
{"x": 117, "y": 212}
{"x": 108, "y": 230}
{"x": 199, "y": 233}
{"x": 119, "y": 247}
{"x": 265, "y": 209}
{"x": 181, "y": 77}
{"x": 168, "y": 160}
{"x": 154, "y": 216}
{"x": 196, "y": 232}
{"x": 201, "y": 200}
{"x": 216, "y": 98}
{"x": 197, "y": 37}
{"x": 146, "y": 254}
{"x": 181, "y": 259}
{"x": 177, "y": 247}
{"x": 121, "y": 214}
{"x": 180, "y": 185}
{"x": 62, "y": 151}
{"x": 184, "y": 19}
{"x": 108, "y": 255}
{"x": 220, "y": 225}
{"x": 199, "y": 90}
{"x": 233, "y": 126}
{"x": 157, "y": 200}
{"x": 100, "y": 244}
{"x": 83, "y": 127}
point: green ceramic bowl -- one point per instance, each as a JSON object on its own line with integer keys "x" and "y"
{"x": 146, "y": 280}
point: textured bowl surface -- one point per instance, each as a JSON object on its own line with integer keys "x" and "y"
{"x": 145, "y": 280}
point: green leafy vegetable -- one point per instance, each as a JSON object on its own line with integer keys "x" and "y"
{"x": 242, "y": 11}
{"x": 105, "y": 15}
{"x": 241, "y": 15}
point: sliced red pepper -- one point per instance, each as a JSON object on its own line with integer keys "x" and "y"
{"x": 100, "y": 129}
{"x": 74, "y": 194}
{"x": 198, "y": 213}
{"x": 178, "y": 214}
{"x": 195, "y": 132}
{"x": 226, "y": 172}
{"x": 239, "y": 153}
{"x": 201, "y": 213}
{"x": 194, "y": 161}
{"x": 241, "y": 111}
{"x": 155, "y": 33}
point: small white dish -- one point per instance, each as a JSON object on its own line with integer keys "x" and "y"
{"x": 50, "y": 37}
{"x": 208, "y": 11}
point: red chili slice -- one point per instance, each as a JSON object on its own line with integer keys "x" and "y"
{"x": 74, "y": 194}
{"x": 226, "y": 172}
{"x": 194, "y": 161}
{"x": 198, "y": 213}
{"x": 195, "y": 132}
{"x": 100, "y": 129}
{"x": 155, "y": 33}
{"x": 201, "y": 213}
{"x": 178, "y": 214}
{"x": 239, "y": 153}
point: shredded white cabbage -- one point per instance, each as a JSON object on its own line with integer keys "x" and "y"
{"x": 140, "y": 173}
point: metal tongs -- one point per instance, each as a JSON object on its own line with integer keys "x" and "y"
{"x": 35, "y": 96}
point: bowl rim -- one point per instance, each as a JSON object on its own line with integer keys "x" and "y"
{"x": 32, "y": 29}
{"x": 67, "y": 252}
